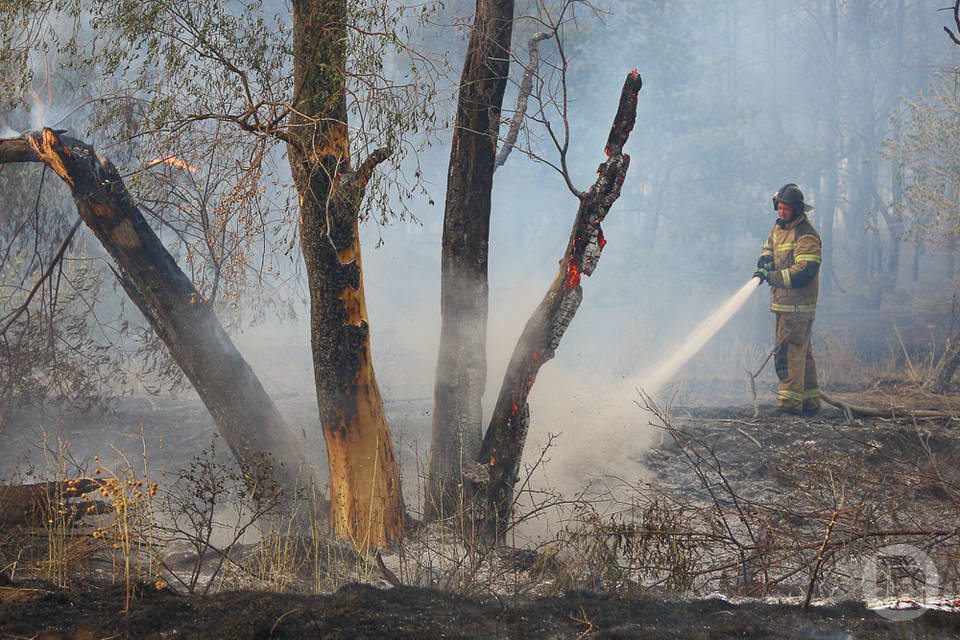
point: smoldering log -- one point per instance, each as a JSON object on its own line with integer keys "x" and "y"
{"x": 505, "y": 437}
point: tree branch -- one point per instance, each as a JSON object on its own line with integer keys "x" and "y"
{"x": 11, "y": 317}
{"x": 362, "y": 175}
{"x": 956, "y": 21}
{"x": 526, "y": 88}
{"x": 16, "y": 150}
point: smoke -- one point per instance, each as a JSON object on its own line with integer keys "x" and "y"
{"x": 715, "y": 135}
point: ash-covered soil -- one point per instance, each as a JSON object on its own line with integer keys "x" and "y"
{"x": 761, "y": 459}
{"x": 363, "y": 611}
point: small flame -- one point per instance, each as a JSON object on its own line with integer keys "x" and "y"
{"x": 174, "y": 160}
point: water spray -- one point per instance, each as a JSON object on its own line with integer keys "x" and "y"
{"x": 700, "y": 336}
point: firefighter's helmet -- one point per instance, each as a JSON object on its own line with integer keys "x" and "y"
{"x": 790, "y": 194}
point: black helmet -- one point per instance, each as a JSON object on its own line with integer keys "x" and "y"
{"x": 790, "y": 194}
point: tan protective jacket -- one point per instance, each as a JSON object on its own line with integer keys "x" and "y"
{"x": 794, "y": 279}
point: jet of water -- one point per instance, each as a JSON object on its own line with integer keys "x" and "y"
{"x": 652, "y": 382}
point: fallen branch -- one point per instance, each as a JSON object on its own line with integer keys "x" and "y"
{"x": 851, "y": 410}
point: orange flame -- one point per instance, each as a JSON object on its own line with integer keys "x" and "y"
{"x": 174, "y": 160}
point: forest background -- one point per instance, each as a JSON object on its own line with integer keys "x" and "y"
{"x": 854, "y": 101}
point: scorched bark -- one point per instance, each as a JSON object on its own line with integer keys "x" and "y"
{"x": 461, "y": 364}
{"x": 365, "y": 496}
{"x": 244, "y": 414}
{"x": 505, "y": 437}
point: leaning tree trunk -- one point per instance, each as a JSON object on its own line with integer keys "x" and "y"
{"x": 461, "y": 363}
{"x": 943, "y": 372}
{"x": 365, "y": 498}
{"x": 244, "y": 414}
{"x": 505, "y": 437}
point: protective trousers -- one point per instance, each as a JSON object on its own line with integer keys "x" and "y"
{"x": 794, "y": 363}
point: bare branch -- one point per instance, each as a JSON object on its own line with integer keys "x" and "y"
{"x": 365, "y": 170}
{"x": 526, "y": 87}
{"x": 956, "y": 21}
{"x": 11, "y": 317}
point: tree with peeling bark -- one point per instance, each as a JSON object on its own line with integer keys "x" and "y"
{"x": 366, "y": 504}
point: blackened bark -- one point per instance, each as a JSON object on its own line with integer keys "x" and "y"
{"x": 365, "y": 497}
{"x": 943, "y": 372}
{"x": 244, "y": 414}
{"x": 506, "y": 435}
{"x": 461, "y": 363}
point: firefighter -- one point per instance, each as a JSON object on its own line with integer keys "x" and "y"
{"x": 790, "y": 263}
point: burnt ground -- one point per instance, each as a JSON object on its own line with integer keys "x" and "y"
{"x": 762, "y": 459}
{"x": 363, "y": 611}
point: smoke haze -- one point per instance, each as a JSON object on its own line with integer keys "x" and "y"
{"x": 739, "y": 97}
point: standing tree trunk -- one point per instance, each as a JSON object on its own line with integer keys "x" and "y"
{"x": 365, "y": 497}
{"x": 505, "y": 437}
{"x": 461, "y": 363}
{"x": 943, "y": 372}
{"x": 240, "y": 407}
{"x": 827, "y": 206}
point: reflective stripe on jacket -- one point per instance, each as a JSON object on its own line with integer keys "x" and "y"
{"x": 794, "y": 278}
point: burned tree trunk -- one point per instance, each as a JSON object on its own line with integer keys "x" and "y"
{"x": 240, "y": 407}
{"x": 461, "y": 363}
{"x": 505, "y": 437}
{"x": 943, "y": 372}
{"x": 365, "y": 497}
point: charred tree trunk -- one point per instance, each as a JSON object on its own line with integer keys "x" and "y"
{"x": 365, "y": 497}
{"x": 505, "y": 437}
{"x": 943, "y": 372}
{"x": 461, "y": 363}
{"x": 240, "y": 407}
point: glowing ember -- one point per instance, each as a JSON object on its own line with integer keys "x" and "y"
{"x": 573, "y": 275}
{"x": 174, "y": 160}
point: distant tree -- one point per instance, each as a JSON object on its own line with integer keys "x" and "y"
{"x": 925, "y": 152}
